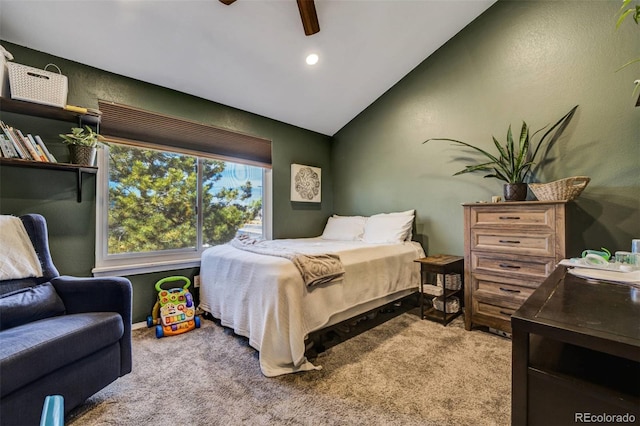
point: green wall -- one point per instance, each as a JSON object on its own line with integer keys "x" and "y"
{"x": 290, "y": 144}
{"x": 53, "y": 194}
{"x": 520, "y": 60}
{"x": 72, "y": 224}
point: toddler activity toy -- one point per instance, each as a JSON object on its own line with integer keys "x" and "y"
{"x": 174, "y": 311}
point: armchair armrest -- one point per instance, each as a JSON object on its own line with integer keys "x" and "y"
{"x": 109, "y": 294}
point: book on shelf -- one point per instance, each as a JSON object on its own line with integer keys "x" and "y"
{"x": 48, "y": 154}
{"x": 38, "y": 148}
{"x": 8, "y": 151}
{"x": 33, "y": 152}
{"x": 14, "y": 144}
{"x": 9, "y": 133}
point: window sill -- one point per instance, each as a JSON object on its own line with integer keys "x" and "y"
{"x": 145, "y": 268}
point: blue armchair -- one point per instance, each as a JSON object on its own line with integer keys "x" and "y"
{"x": 59, "y": 335}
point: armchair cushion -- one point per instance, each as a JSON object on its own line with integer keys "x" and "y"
{"x": 113, "y": 294}
{"x": 31, "y": 351}
{"x": 29, "y": 304}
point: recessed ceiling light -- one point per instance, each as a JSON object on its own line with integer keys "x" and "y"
{"x": 312, "y": 59}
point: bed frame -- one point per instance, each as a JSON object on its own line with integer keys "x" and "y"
{"x": 325, "y": 338}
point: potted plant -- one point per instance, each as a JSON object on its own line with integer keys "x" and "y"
{"x": 514, "y": 160}
{"x": 82, "y": 142}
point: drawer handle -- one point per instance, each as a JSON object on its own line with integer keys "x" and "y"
{"x": 509, "y": 290}
{"x": 509, "y": 217}
{"x": 508, "y": 314}
{"x": 510, "y": 241}
{"x": 504, "y": 265}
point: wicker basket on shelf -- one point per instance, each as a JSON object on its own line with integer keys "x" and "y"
{"x": 566, "y": 189}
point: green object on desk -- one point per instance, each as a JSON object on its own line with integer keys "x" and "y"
{"x": 605, "y": 254}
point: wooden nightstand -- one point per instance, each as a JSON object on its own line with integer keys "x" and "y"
{"x": 441, "y": 264}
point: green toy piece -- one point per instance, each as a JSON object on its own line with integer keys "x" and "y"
{"x": 605, "y": 254}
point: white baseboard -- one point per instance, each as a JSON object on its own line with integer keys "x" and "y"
{"x": 137, "y": 325}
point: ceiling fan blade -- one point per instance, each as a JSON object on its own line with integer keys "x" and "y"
{"x": 308, "y": 14}
{"x": 309, "y": 18}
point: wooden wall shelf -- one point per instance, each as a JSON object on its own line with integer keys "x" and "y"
{"x": 55, "y": 113}
{"x": 78, "y": 169}
{"x": 46, "y": 111}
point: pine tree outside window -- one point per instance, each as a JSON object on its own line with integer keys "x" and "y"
{"x": 159, "y": 210}
{"x": 170, "y": 187}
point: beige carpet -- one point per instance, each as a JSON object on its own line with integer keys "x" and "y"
{"x": 403, "y": 372}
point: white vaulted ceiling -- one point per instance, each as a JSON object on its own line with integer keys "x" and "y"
{"x": 251, "y": 54}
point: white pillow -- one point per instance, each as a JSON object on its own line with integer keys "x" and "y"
{"x": 344, "y": 228}
{"x": 411, "y": 212}
{"x": 388, "y": 227}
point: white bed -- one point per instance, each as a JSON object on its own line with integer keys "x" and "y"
{"x": 265, "y": 299}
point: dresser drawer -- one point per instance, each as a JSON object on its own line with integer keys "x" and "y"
{"x": 494, "y": 315}
{"x": 526, "y": 266}
{"x": 495, "y": 292}
{"x": 496, "y": 289}
{"x": 537, "y": 216}
{"x": 512, "y": 241}
{"x": 494, "y": 299}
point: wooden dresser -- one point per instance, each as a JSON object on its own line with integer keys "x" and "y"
{"x": 510, "y": 248}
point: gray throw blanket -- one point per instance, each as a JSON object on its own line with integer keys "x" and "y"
{"x": 314, "y": 268}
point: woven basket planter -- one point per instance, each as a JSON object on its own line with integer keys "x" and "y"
{"x": 82, "y": 155}
{"x": 566, "y": 189}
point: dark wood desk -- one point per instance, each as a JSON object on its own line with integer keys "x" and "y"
{"x": 576, "y": 353}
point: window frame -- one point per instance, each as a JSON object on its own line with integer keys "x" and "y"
{"x": 142, "y": 263}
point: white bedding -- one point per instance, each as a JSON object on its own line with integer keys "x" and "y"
{"x": 264, "y": 298}
{"x": 18, "y": 258}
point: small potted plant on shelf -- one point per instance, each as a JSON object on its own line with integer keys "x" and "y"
{"x": 82, "y": 142}
{"x": 514, "y": 160}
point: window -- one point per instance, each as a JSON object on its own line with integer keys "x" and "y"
{"x": 158, "y": 210}
{"x": 168, "y": 188}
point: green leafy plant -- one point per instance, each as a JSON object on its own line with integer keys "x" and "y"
{"x": 514, "y": 160}
{"x": 82, "y": 136}
{"x": 625, "y": 11}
